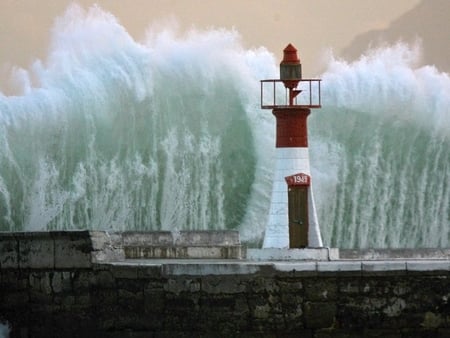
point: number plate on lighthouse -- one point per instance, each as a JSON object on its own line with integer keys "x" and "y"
{"x": 298, "y": 179}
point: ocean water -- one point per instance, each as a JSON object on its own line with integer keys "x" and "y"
{"x": 167, "y": 134}
{"x": 4, "y": 330}
{"x": 381, "y": 151}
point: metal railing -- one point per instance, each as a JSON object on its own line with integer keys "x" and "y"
{"x": 275, "y": 95}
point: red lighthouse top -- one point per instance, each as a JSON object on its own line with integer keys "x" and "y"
{"x": 290, "y": 55}
{"x": 293, "y": 82}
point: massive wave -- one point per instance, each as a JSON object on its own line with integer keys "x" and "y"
{"x": 167, "y": 134}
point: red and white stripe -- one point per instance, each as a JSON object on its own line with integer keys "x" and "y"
{"x": 292, "y": 157}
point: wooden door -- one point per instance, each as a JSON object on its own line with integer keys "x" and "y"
{"x": 298, "y": 216}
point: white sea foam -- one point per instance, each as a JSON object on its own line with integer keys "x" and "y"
{"x": 167, "y": 133}
{"x": 379, "y": 151}
{"x": 4, "y": 330}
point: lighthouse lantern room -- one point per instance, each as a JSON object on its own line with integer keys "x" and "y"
{"x": 292, "y": 219}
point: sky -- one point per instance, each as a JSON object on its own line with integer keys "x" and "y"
{"x": 313, "y": 26}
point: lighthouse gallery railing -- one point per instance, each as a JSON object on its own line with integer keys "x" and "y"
{"x": 275, "y": 95}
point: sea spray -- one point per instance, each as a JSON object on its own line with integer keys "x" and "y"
{"x": 123, "y": 135}
{"x": 110, "y": 133}
{"x": 4, "y": 329}
{"x": 380, "y": 152}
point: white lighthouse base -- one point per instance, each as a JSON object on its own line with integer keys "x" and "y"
{"x": 289, "y": 161}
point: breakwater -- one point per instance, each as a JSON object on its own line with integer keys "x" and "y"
{"x": 81, "y": 283}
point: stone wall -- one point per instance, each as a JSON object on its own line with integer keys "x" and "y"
{"x": 220, "y": 299}
{"x": 58, "y": 249}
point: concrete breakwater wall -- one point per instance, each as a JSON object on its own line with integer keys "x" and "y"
{"x": 74, "y": 284}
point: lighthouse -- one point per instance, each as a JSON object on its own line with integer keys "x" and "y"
{"x": 292, "y": 220}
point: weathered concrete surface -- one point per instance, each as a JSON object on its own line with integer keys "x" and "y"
{"x": 183, "y": 244}
{"x": 67, "y": 249}
{"x": 106, "y": 246}
{"x": 279, "y": 254}
{"x": 205, "y": 252}
{"x": 45, "y": 250}
{"x": 390, "y": 254}
{"x": 58, "y": 249}
{"x": 184, "y": 238}
{"x": 78, "y": 295}
{"x": 203, "y": 298}
{"x": 9, "y": 251}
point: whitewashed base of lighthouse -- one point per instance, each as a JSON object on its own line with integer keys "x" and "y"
{"x": 289, "y": 161}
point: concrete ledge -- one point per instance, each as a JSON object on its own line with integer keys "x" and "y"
{"x": 306, "y": 269}
{"x": 275, "y": 254}
{"x": 383, "y": 267}
{"x": 58, "y": 249}
{"x": 353, "y": 268}
{"x": 36, "y": 250}
{"x": 9, "y": 251}
{"x": 183, "y": 245}
{"x": 390, "y": 254}
{"x": 427, "y": 266}
{"x": 183, "y": 238}
{"x": 106, "y": 246}
{"x": 184, "y": 252}
{"x": 210, "y": 269}
{"x": 45, "y": 250}
{"x": 72, "y": 248}
{"x": 356, "y": 269}
{"x": 81, "y": 249}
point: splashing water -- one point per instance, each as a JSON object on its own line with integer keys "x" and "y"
{"x": 167, "y": 134}
{"x": 121, "y": 135}
{"x": 380, "y": 152}
{"x": 4, "y": 329}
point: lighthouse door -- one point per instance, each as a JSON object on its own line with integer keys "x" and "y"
{"x": 298, "y": 216}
